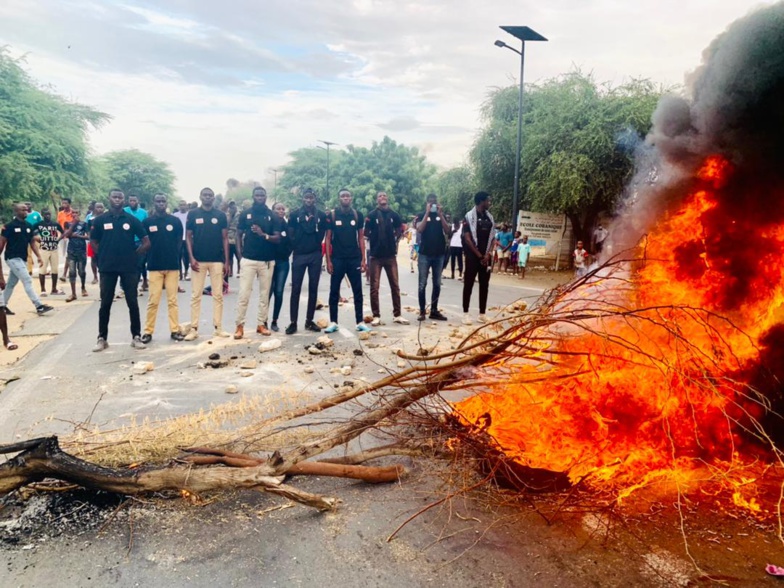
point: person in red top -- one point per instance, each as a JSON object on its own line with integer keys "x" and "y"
{"x": 64, "y": 218}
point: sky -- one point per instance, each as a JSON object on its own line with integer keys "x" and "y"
{"x": 226, "y": 89}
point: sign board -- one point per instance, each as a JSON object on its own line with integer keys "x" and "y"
{"x": 545, "y": 232}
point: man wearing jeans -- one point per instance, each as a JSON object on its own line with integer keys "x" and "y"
{"x": 383, "y": 228}
{"x": 15, "y": 238}
{"x": 307, "y": 226}
{"x": 207, "y": 239}
{"x": 432, "y": 226}
{"x": 258, "y": 232}
{"x": 114, "y": 238}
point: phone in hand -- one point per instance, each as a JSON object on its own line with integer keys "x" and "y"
{"x": 434, "y": 208}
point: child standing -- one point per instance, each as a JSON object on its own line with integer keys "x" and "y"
{"x": 580, "y": 260}
{"x": 523, "y": 253}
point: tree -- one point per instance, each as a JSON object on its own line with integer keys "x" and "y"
{"x": 456, "y": 188}
{"x": 240, "y": 192}
{"x": 43, "y": 141}
{"x": 576, "y": 155}
{"x": 308, "y": 169}
{"x": 135, "y": 172}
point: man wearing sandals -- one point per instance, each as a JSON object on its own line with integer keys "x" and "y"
{"x": 15, "y": 238}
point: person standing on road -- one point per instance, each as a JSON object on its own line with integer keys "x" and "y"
{"x": 141, "y": 214}
{"x": 307, "y": 226}
{"x": 163, "y": 265}
{"x": 33, "y": 218}
{"x": 77, "y": 234}
{"x": 282, "y": 265}
{"x": 64, "y": 218}
{"x": 185, "y": 262}
{"x": 118, "y": 239}
{"x": 598, "y": 238}
{"x": 48, "y": 234}
{"x": 432, "y": 226}
{"x": 345, "y": 241}
{"x": 258, "y": 232}
{"x": 478, "y": 239}
{"x": 383, "y": 228}
{"x": 523, "y": 253}
{"x": 207, "y": 239}
{"x": 456, "y": 249}
{"x": 98, "y": 210}
{"x": 15, "y": 239}
{"x": 233, "y": 219}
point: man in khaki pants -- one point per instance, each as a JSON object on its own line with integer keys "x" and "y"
{"x": 258, "y": 231}
{"x": 163, "y": 266}
{"x": 207, "y": 239}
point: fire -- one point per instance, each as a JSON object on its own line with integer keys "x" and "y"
{"x": 657, "y": 389}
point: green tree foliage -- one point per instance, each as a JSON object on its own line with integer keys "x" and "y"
{"x": 576, "y": 155}
{"x": 387, "y": 165}
{"x": 241, "y": 192}
{"x": 456, "y": 188}
{"x": 43, "y": 145}
{"x": 135, "y": 172}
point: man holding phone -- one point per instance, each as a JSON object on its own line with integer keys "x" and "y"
{"x": 431, "y": 225}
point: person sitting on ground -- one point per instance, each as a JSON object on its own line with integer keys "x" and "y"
{"x": 77, "y": 234}
{"x": 48, "y": 234}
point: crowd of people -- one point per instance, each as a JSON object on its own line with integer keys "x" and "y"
{"x": 125, "y": 244}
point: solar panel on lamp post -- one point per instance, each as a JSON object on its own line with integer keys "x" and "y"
{"x": 524, "y": 34}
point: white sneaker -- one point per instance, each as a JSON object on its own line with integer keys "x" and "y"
{"x": 467, "y": 319}
{"x": 376, "y": 321}
{"x": 221, "y": 333}
{"x": 482, "y": 318}
{"x": 400, "y": 320}
{"x": 192, "y": 335}
{"x": 331, "y": 328}
{"x": 137, "y": 343}
{"x": 100, "y": 345}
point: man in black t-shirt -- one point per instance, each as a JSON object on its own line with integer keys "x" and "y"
{"x": 48, "y": 232}
{"x": 207, "y": 240}
{"x": 77, "y": 234}
{"x": 258, "y": 231}
{"x": 383, "y": 228}
{"x": 15, "y": 238}
{"x": 307, "y": 226}
{"x": 433, "y": 228}
{"x": 113, "y": 239}
{"x": 478, "y": 240}
{"x": 345, "y": 241}
{"x": 163, "y": 266}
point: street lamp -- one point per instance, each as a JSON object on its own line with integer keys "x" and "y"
{"x": 327, "y": 143}
{"x": 275, "y": 172}
{"x": 524, "y": 34}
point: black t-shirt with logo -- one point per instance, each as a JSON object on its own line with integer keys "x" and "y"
{"x": 254, "y": 246}
{"x": 433, "y": 241}
{"x": 50, "y": 233}
{"x": 76, "y": 246}
{"x": 382, "y": 228}
{"x": 307, "y": 231}
{"x": 116, "y": 236}
{"x": 345, "y": 227}
{"x": 207, "y": 227}
{"x": 165, "y": 234}
{"x": 18, "y": 234}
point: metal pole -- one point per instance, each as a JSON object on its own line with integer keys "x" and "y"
{"x": 327, "y": 196}
{"x": 516, "y": 196}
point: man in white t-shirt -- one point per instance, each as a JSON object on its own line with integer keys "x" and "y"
{"x": 598, "y": 238}
{"x": 580, "y": 260}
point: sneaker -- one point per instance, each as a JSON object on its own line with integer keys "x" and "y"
{"x": 311, "y": 326}
{"x": 482, "y": 318}
{"x": 137, "y": 343}
{"x": 43, "y": 295}
{"x": 191, "y": 336}
{"x": 376, "y": 321}
{"x": 292, "y": 328}
{"x": 274, "y": 326}
{"x": 422, "y": 316}
{"x": 363, "y": 328}
{"x": 331, "y": 328}
{"x": 44, "y": 308}
{"x": 437, "y": 316}
{"x": 401, "y": 321}
{"x": 221, "y": 333}
{"x": 146, "y": 338}
{"x": 177, "y": 336}
{"x": 100, "y": 345}
{"x": 467, "y": 319}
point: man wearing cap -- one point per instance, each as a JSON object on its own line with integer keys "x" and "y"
{"x": 258, "y": 232}
{"x": 163, "y": 262}
{"x": 383, "y": 228}
{"x": 118, "y": 239}
{"x": 307, "y": 226}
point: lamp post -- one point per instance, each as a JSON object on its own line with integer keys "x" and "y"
{"x": 275, "y": 176}
{"x": 524, "y": 34}
{"x": 328, "y": 144}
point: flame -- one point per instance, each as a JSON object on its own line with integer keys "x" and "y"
{"x": 653, "y": 392}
